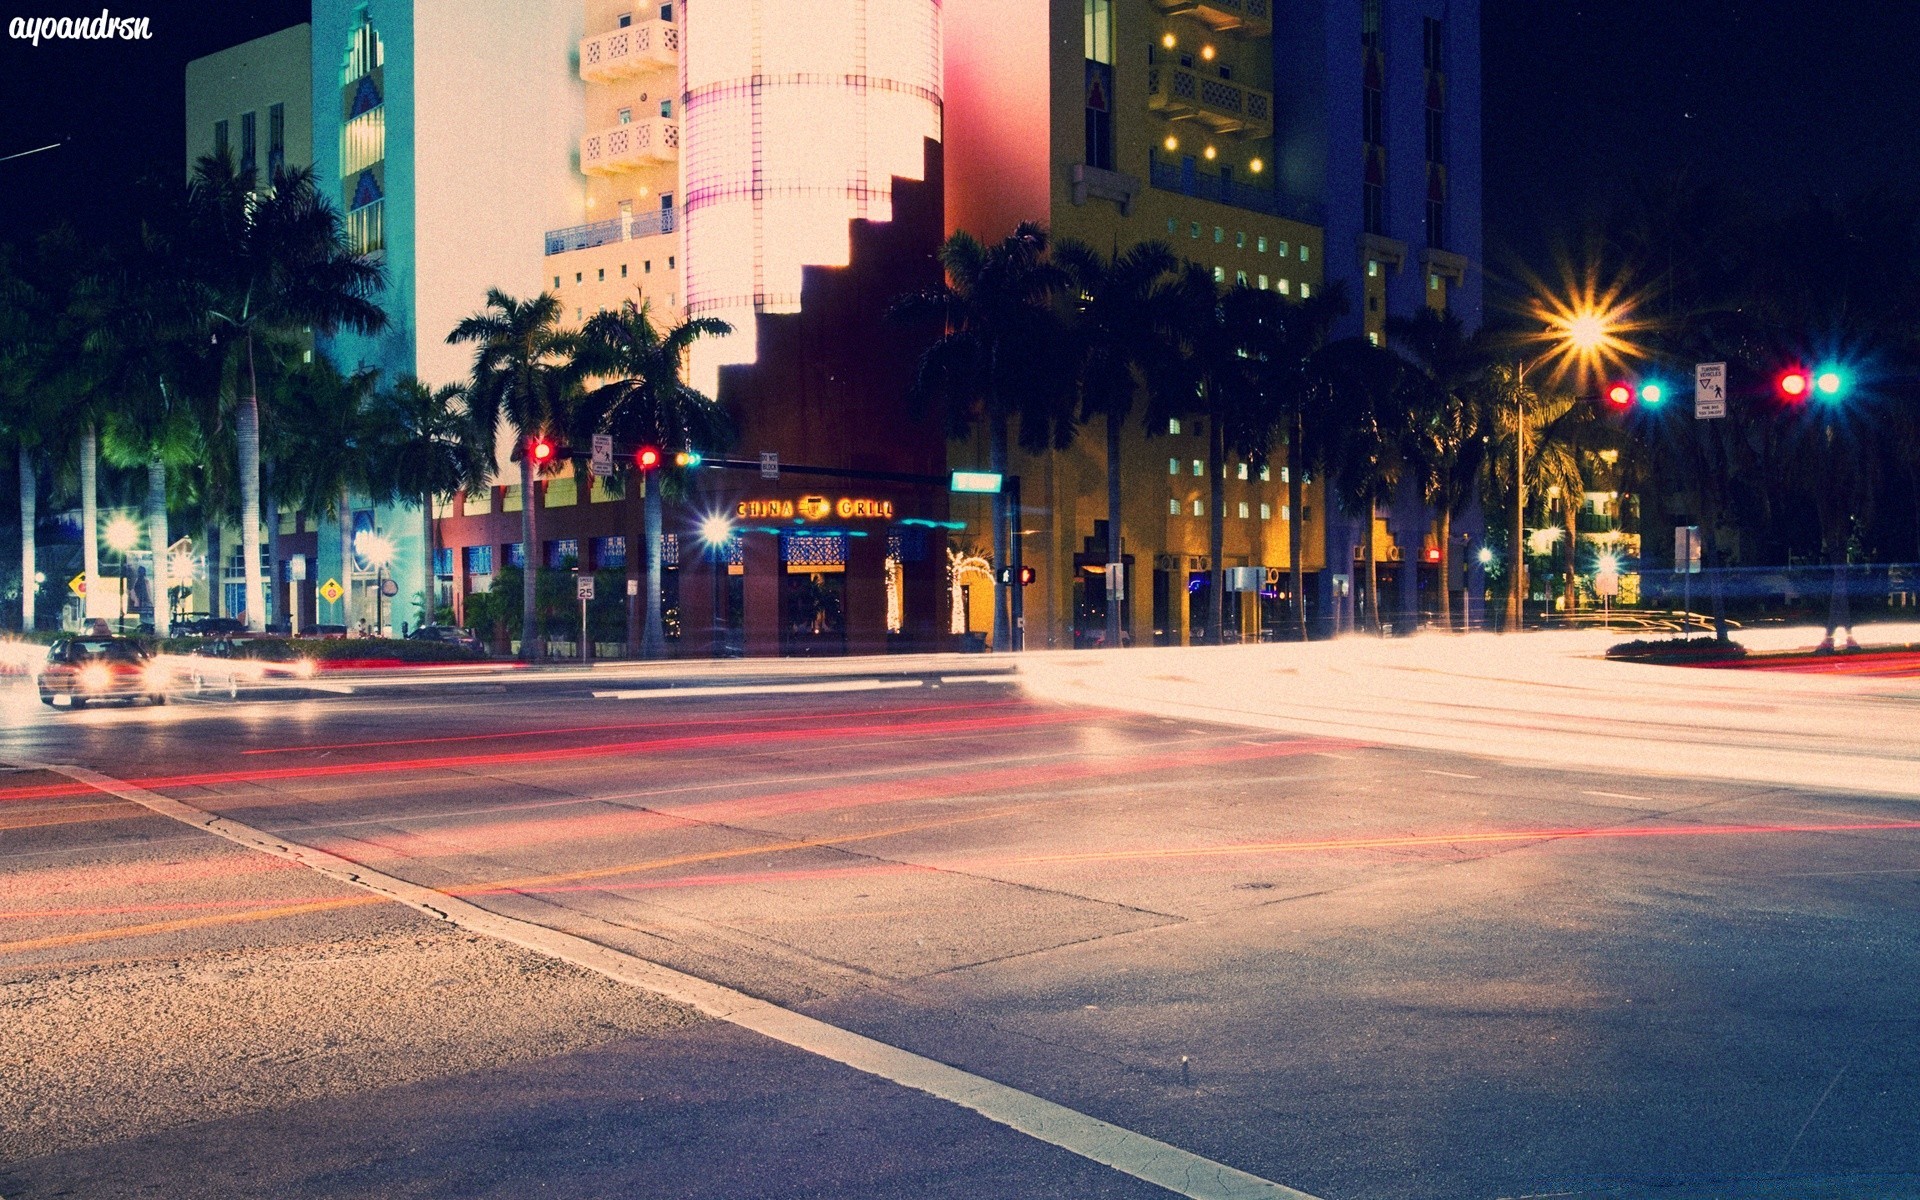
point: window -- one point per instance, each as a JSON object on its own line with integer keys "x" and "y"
{"x": 1263, "y": 283}
{"x": 626, "y": 116}
{"x": 563, "y": 554}
{"x": 219, "y": 138}
{"x": 1433, "y": 283}
{"x": 623, "y": 270}
{"x": 577, "y": 277}
{"x": 666, "y": 108}
{"x": 276, "y": 138}
{"x": 1266, "y": 474}
{"x": 1243, "y": 510}
{"x": 1303, "y": 255}
{"x": 1285, "y": 476}
{"x": 1283, "y": 250}
{"x": 609, "y": 553}
{"x": 1373, "y": 339}
{"x": 669, "y": 259}
{"x": 1219, "y": 274}
{"x": 1436, "y": 221}
{"x": 479, "y": 560}
{"x": 1261, "y": 245}
{"x": 666, "y": 202}
{"x": 1173, "y": 425}
{"x": 1199, "y": 468}
{"x": 1373, "y": 104}
{"x": 1173, "y": 508}
{"x": 646, "y": 267}
{"x": 1242, "y": 472}
{"x": 556, "y": 281}
{"x": 1369, "y": 22}
{"x": 1173, "y": 226}
{"x": 1099, "y": 31}
{"x": 1286, "y": 516}
{"x": 1436, "y": 132}
{"x": 666, "y": 12}
{"x": 1305, "y": 291}
{"x": 1193, "y": 228}
{"x": 1283, "y": 286}
{"x": 1199, "y": 508}
{"x": 1240, "y": 239}
{"x": 1432, "y": 45}
{"x": 1099, "y": 106}
{"x": 1219, "y": 235}
{"x": 626, "y": 19}
{"x": 1240, "y": 277}
{"x": 1173, "y": 466}
{"x": 515, "y": 554}
{"x": 1266, "y": 512}
{"x": 603, "y": 275}
{"x": 248, "y": 146}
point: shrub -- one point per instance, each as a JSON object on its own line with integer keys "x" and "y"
{"x": 1678, "y": 648}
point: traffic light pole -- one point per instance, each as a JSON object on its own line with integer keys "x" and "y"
{"x": 1014, "y": 562}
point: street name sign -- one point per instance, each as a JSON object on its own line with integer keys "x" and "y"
{"x": 987, "y": 482}
{"x": 1709, "y": 391}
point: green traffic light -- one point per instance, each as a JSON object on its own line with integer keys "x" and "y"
{"x": 1829, "y": 382}
{"x": 1652, "y": 393}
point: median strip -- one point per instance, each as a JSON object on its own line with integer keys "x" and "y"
{"x": 758, "y": 689}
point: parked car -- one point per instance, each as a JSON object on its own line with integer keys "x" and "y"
{"x": 85, "y": 669}
{"x": 324, "y": 631}
{"x": 200, "y": 625}
{"x": 448, "y": 634}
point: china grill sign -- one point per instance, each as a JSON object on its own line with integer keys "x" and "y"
{"x": 816, "y": 508}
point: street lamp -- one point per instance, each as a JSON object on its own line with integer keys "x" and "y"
{"x": 717, "y": 531}
{"x": 377, "y": 549}
{"x": 123, "y": 535}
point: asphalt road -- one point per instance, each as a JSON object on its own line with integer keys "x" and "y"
{"x": 1357, "y": 971}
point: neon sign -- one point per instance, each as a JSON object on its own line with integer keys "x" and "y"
{"x": 816, "y": 508}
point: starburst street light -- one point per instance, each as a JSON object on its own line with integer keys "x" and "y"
{"x": 1586, "y": 329}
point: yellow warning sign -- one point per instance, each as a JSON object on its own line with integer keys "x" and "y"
{"x": 78, "y": 584}
{"x": 331, "y": 591}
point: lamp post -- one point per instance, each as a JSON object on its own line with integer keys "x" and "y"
{"x": 122, "y": 536}
{"x": 717, "y": 531}
{"x": 377, "y": 549}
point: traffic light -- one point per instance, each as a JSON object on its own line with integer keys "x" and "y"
{"x": 540, "y": 450}
{"x": 1829, "y": 382}
{"x": 1652, "y": 391}
{"x": 1620, "y": 393}
{"x": 1026, "y": 576}
{"x": 687, "y": 458}
{"x": 1794, "y": 383}
{"x": 647, "y": 458}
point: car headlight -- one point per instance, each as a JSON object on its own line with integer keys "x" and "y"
{"x": 95, "y": 677}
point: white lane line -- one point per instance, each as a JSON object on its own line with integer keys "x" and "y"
{"x": 1179, "y": 1171}
{"x": 1616, "y": 795}
{"x": 1003, "y": 677}
{"x": 758, "y": 689}
{"x": 1448, "y": 774}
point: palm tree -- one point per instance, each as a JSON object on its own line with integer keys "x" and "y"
{"x": 1000, "y": 357}
{"x": 646, "y": 401}
{"x": 524, "y": 380}
{"x": 1447, "y": 443}
{"x": 331, "y": 439}
{"x": 431, "y": 448}
{"x": 1368, "y": 394}
{"x": 24, "y": 355}
{"x": 276, "y": 263}
{"x": 1120, "y": 316}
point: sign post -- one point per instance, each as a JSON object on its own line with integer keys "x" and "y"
{"x": 1607, "y": 584}
{"x": 1686, "y": 561}
{"x": 583, "y": 587}
{"x": 1709, "y": 391}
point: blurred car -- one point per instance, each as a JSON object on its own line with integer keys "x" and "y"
{"x": 85, "y": 669}
{"x": 224, "y": 665}
{"x": 324, "y": 631}
{"x": 201, "y": 625}
{"x": 449, "y": 635}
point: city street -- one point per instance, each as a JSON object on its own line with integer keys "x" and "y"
{"x": 1362, "y": 956}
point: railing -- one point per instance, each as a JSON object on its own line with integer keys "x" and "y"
{"x": 1227, "y": 107}
{"x": 1170, "y": 177}
{"x": 620, "y": 53}
{"x": 626, "y": 147}
{"x": 605, "y": 233}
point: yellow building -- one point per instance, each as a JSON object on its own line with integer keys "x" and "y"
{"x": 1183, "y": 153}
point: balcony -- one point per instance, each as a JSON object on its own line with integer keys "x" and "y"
{"x": 1253, "y": 18}
{"x": 1179, "y": 177}
{"x": 646, "y": 143}
{"x": 634, "y": 50}
{"x": 606, "y": 233}
{"x": 1226, "y": 107}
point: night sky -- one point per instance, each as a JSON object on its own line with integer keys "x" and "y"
{"x": 1779, "y": 98}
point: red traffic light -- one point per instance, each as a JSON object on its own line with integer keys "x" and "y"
{"x": 541, "y": 451}
{"x": 1794, "y": 383}
{"x": 647, "y": 458}
{"x": 1433, "y": 554}
{"x": 1026, "y": 576}
{"x": 1620, "y": 394}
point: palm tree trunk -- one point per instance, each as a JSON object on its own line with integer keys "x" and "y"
{"x": 1517, "y": 565}
{"x": 29, "y": 559}
{"x": 1573, "y": 558}
{"x": 654, "y": 643}
{"x": 95, "y": 603}
{"x": 1296, "y": 523}
{"x": 214, "y": 599}
{"x": 346, "y": 558}
{"x": 1116, "y": 600}
{"x": 1002, "y": 592}
{"x": 1216, "y": 529}
{"x": 161, "y": 585}
{"x": 1373, "y": 573}
{"x": 532, "y": 645}
{"x": 429, "y": 571}
{"x": 1446, "y": 568}
{"x": 276, "y": 574}
{"x": 247, "y": 429}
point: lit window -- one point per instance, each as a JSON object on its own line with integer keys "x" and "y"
{"x": 626, "y": 116}
{"x": 1373, "y": 339}
{"x": 1284, "y": 476}
{"x": 1173, "y": 226}
{"x": 1219, "y": 235}
{"x": 1243, "y": 510}
{"x": 1266, "y": 474}
{"x": 1433, "y": 283}
{"x": 1219, "y": 274}
{"x": 1242, "y": 473}
{"x": 1173, "y": 508}
{"x": 1266, "y": 512}
{"x": 1173, "y": 425}
{"x": 1240, "y": 239}
{"x": 1199, "y": 508}
{"x": 1285, "y": 515}
{"x": 1263, "y": 283}
{"x": 1193, "y": 229}
{"x": 1240, "y": 277}
{"x": 1199, "y": 468}
{"x": 666, "y": 108}
{"x": 1303, "y": 254}
{"x": 1173, "y": 466}
{"x": 1305, "y": 291}
{"x": 1282, "y": 250}
{"x": 1260, "y": 245}
{"x": 1373, "y": 268}
{"x": 1284, "y": 286}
